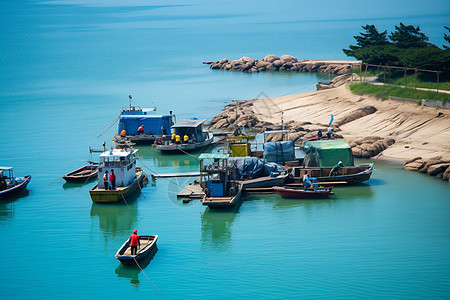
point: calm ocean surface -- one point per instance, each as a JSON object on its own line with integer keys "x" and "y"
{"x": 66, "y": 69}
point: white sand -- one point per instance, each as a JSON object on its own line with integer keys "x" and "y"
{"x": 417, "y": 130}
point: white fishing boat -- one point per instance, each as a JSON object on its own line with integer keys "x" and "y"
{"x": 129, "y": 178}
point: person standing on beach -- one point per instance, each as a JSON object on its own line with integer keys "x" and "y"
{"x": 329, "y": 133}
{"x": 134, "y": 242}
{"x": 112, "y": 178}
{"x": 105, "y": 179}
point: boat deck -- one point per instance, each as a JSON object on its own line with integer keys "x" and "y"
{"x": 192, "y": 191}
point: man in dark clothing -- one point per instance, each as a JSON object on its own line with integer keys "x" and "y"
{"x": 112, "y": 178}
{"x": 319, "y": 134}
{"x": 134, "y": 242}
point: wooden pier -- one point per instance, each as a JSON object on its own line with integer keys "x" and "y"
{"x": 191, "y": 191}
{"x": 168, "y": 175}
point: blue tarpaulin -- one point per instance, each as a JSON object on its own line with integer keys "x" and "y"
{"x": 247, "y": 167}
{"x": 152, "y": 124}
{"x": 279, "y": 152}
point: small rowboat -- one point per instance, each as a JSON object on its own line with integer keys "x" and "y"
{"x": 320, "y": 193}
{"x": 148, "y": 246}
{"x": 82, "y": 174}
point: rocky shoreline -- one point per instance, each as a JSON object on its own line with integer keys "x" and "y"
{"x": 246, "y": 114}
{"x": 283, "y": 63}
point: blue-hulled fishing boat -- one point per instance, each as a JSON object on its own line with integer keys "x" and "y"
{"x": 9, "y": 184}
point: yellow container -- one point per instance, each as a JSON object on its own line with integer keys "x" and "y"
{"x": 239, "y": 150}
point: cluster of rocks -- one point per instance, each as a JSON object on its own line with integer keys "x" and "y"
{"x": 240, "y": 114}
{"x": 370, "y": 146}
{"x": 275, "y": 63}
{"x": 436, "y": 166}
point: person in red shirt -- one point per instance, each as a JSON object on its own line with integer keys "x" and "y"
{"x": 112, "y": 178}
{"x": 105, "y": 179}
{"x": 134, "y": 242}
{"x": 141, "y": 129}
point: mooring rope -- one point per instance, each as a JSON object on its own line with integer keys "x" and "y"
{"x": 159, "y": 291}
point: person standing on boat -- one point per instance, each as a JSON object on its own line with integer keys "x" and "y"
{"x": 112, "y": 178}
{"x": 306, "y": 182}
{"x": 141, "y": 129}
{"x": 134, "y": 242}
{"x": 319, "y": 134}
{"x": 105, "y": 180}
{"x": 334, "y": 171}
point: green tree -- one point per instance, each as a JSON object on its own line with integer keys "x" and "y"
{"x": 409, "y": 37}
{"x": 370, "y": 37}
{"x": 446, "y": 37}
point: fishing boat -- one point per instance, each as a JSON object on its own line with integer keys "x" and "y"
{"x": 320, "y": 158}
{"x": 188, "y": 135}
{"x": 9, "y": 184}
{"x": 319, "y": 193}
{"x": 215, "y": 179}
{"x": 85, "y": 173}
{"x": 129, "y": 178}
{"x": 131, "y": 118}
{"x": 82, "y": 174}
{"x": 147, "y": 246}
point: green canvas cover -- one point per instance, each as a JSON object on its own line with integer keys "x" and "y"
{"x": 327, "y": 153}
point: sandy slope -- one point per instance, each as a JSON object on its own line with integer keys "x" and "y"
{"x": 417, "y": 130}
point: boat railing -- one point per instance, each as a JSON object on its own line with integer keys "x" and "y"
{"x": 113, "y": 164}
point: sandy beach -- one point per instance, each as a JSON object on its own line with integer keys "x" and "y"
{"x": 418, "y": 131}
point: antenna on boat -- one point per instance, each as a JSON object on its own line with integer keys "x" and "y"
{"x": 129, "y": 97}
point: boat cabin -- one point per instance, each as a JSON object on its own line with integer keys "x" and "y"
{"x": 327, "y": 153}
{"x": 214, "y": 174}
{"x": 153, "y": 124}
{"x": 6, "y": 178}
{"x": 192, "y": 128}
{"x": 122, "y": 161}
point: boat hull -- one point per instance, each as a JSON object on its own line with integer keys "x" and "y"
{"x": 302, "y": 194}
{"x": 120, "y": 193}
{"x": 149, "y": 248}
{"x": 348, "y": 178}
{"x": 15, "y": 189}
{"x": 223, "y": 202}
{"x": 82, "y": 174}
{"x": 184, "y": 147}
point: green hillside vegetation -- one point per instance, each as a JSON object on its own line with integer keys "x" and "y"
{"x": 407, "y": 47}
{"x": 384, "y": 91}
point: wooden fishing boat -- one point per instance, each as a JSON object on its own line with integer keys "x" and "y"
{"x": 320, "y": 193}
{"x": 82, "y": 174}
{"x": 9, "y": 184}
{"x": 148, "y": 246}
{"x": 129, "y": 178}
{"x": 350, "y": 175}
{"x": 198, "y": 138}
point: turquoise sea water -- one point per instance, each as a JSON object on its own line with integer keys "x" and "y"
{"x": 66, "y": 69}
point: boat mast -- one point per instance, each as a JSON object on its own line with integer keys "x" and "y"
{"x": 129, "y": 97}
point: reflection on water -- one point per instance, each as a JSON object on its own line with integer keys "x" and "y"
{"x": 7, "y": 204}
{"x": 115, "y": 217}
{"x": 71, "y": 185}
{"x": 132, "y": 272}
{"x": 216, "y": 228}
